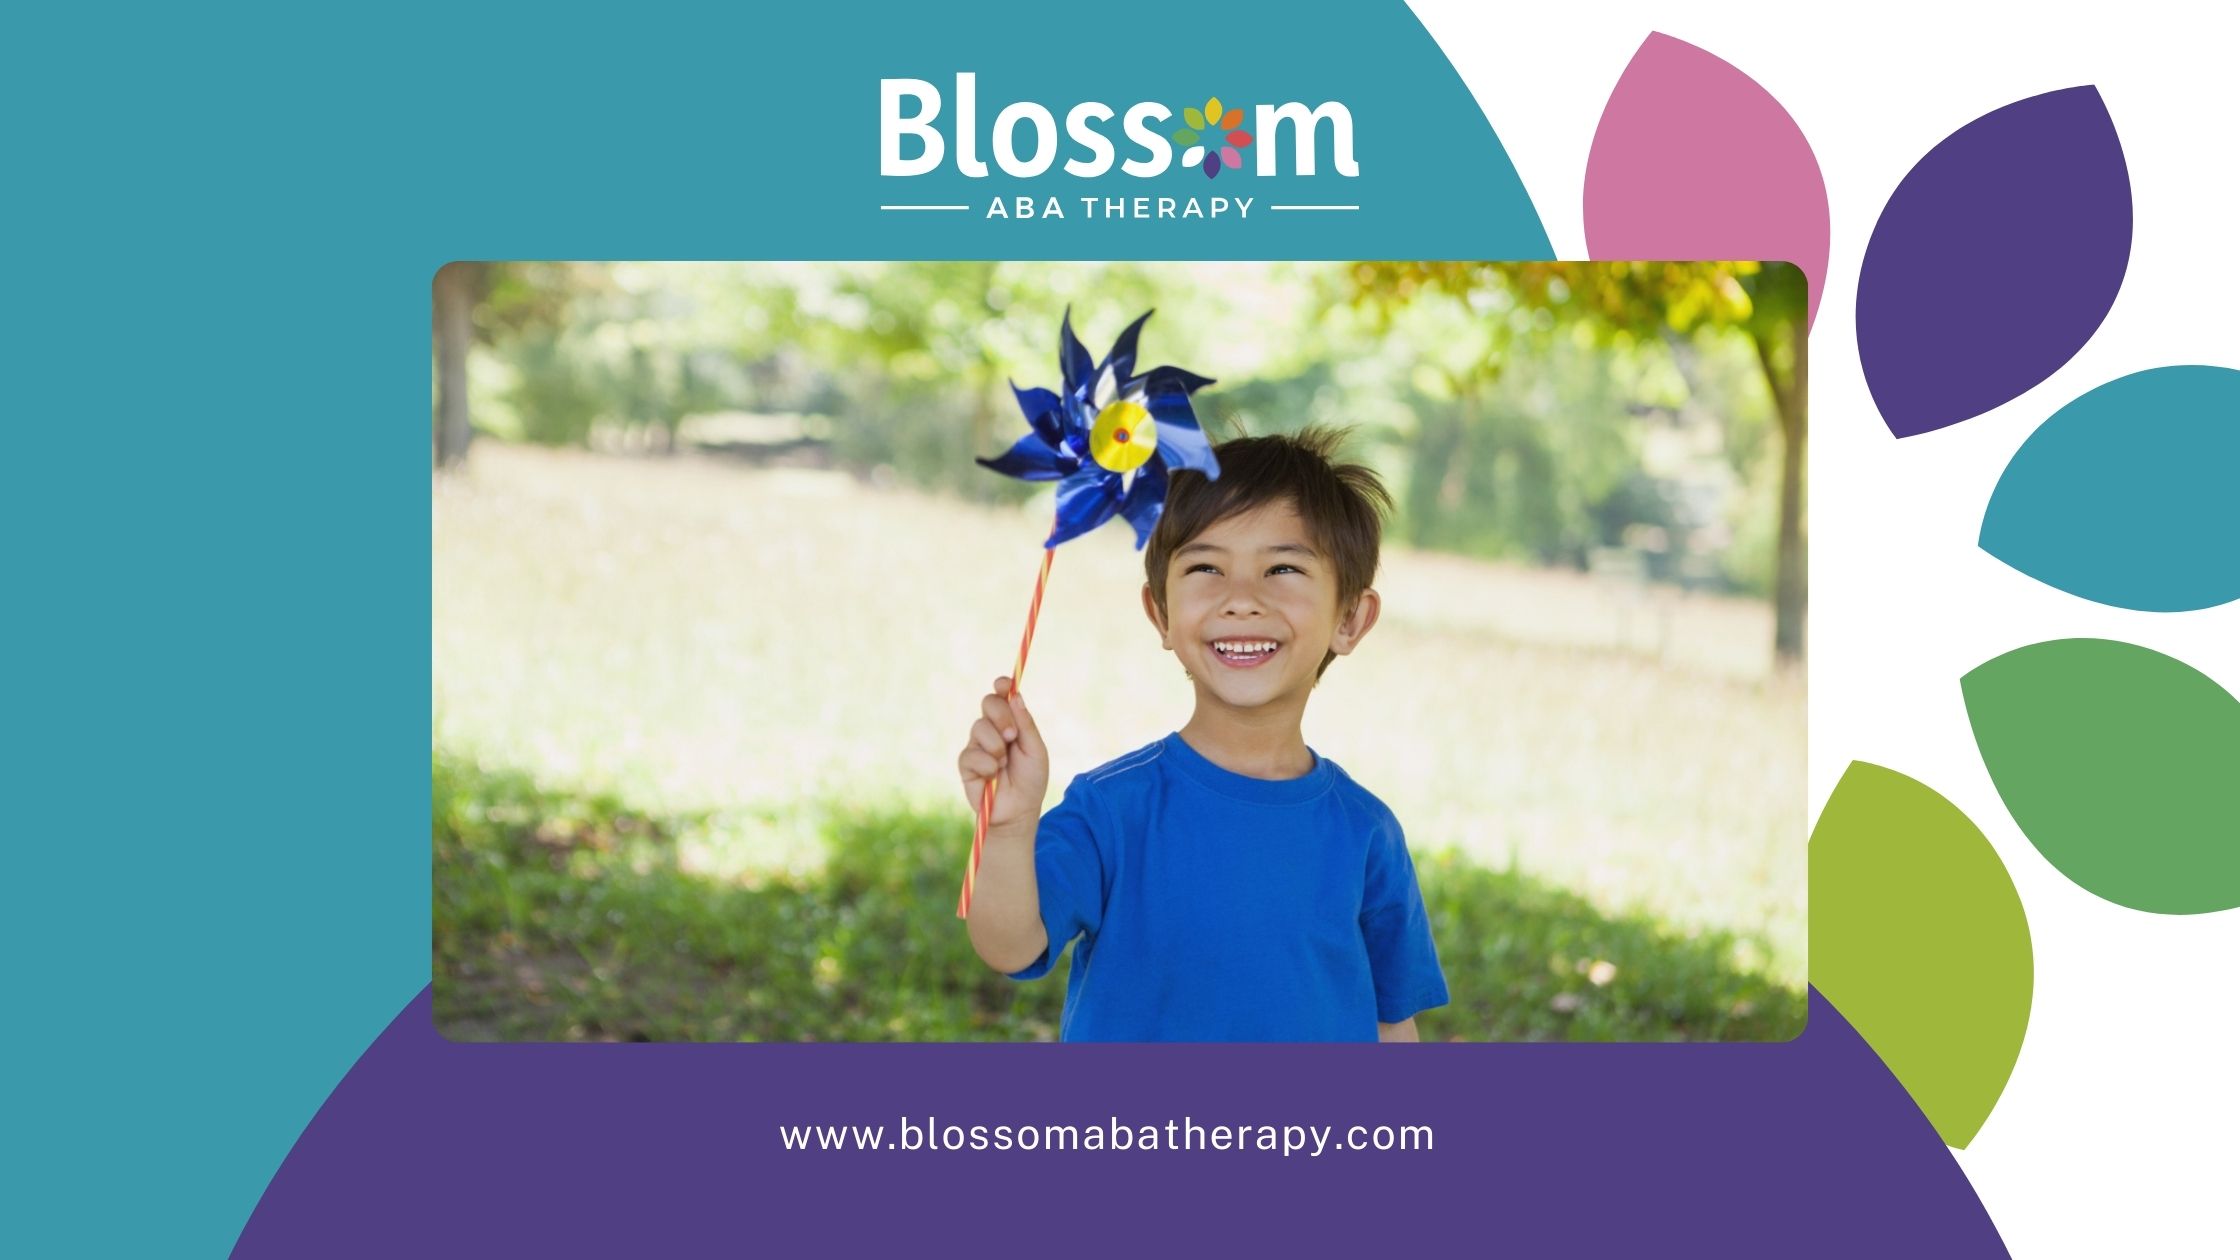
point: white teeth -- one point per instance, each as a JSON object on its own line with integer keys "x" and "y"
{"x": 1244, "y": 645}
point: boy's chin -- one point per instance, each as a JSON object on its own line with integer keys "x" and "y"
{"x": 1251, "y": 693}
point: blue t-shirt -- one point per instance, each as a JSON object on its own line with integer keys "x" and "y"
{"x": 1215, "y": 907}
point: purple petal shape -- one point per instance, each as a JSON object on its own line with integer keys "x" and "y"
{"x": 1804, "y": 1147}
{"x": 1213, "y": 165}
{"x": 1994, "y": 261}
{"x": 1692, "y": 159}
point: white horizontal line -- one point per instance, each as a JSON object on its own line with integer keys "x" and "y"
{"x": 1314, "y": 207}
{"x": 925, "y": 207}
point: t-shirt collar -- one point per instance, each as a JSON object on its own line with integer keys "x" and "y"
{"x": 1245, "y": 788}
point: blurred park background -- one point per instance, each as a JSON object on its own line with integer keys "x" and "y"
{"x": 717, "y": 585}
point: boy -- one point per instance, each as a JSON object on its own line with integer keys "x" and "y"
{"x": 1226, "y": 883}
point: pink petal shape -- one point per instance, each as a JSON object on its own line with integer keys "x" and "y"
{"x": 1231, "y": 158}
{"x": 1693, "y": 159}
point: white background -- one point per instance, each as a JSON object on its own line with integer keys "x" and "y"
{"x": 2116, "y": 1134}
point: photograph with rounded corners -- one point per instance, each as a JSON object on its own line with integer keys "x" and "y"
{"x": 1078, "y": 651}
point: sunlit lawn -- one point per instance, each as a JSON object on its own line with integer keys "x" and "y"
{"x": 698, "y": 638}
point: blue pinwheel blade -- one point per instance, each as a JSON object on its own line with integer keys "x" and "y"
{"x": 1122, "y": 360}
{"x": 1146, "y": 499}
{"x": 1032, "y": 459}
{"x": 1186, "y": 446}
{"x": 1182, "y": 444}
{"x": 1041, "y": 408}
{"x": 1174, "y": 378}
{"x": 1086, "y": 500}
{"x": 1074, "y": 362}
{"x": 1073, "y": 422}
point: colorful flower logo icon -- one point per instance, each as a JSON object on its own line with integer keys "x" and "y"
{"x": 1212, "y": 151}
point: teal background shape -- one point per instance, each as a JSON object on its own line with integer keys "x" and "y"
{"x": 228, "y": 221}
{"x": 2124, "y": 496}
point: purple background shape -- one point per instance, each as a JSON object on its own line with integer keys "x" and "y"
{"x": 1994, "y": 261}
{"x": 1808, "y": 1147}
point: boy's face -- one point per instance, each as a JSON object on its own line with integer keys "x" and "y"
{"x": 1252, "y": 606}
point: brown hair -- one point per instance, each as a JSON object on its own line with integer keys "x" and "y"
{"x": 1344, "y": 506}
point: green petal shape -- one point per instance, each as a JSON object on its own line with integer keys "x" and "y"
{"x": 1193, "y": 117}
{"x": 1917, "y": 936}
{"x": 2121, "y": 765}
{"x": 1183, "y": 135}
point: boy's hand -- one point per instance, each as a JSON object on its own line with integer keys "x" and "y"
{"x": 1006, "y": 747}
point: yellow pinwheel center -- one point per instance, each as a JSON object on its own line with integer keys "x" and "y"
{"x": 1123, "y": 437}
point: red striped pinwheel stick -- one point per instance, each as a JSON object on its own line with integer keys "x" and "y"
{"x": 988, "y": 790}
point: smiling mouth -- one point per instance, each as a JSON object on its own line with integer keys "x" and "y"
{"x": 1245, "y": 653}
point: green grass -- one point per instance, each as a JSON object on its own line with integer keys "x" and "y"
{"x": 569, "y": 915}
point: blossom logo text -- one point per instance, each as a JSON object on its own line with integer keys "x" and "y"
{"x": 922, "y": 132}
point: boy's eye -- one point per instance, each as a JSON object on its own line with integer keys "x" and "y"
{"x": 1201, "y": 568}
{"x": 1281, "y": 567}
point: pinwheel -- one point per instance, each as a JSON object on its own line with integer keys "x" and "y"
{"x": 1109, "y": 440}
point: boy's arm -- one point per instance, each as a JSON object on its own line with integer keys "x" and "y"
{"x": 1006, "y": 922}
{"x": 1006, "y": 748}
{"x": 1405, "y": 1030}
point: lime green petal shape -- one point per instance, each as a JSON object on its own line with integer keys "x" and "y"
{"x": 2121, "y": 765}
{"x": 1193, "y": 117}
{"x": 1917, "y": 936}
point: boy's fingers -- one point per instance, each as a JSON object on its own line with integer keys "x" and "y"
{"x": 1030, "y": 736}
{"x": 977, "y": 761}
{"x": 985, "y": 734}
{"x": 995, "y": 710}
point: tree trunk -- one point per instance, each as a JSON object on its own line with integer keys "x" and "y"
{"x": 454, "y": 329}
{"x": 1789, "y": 557}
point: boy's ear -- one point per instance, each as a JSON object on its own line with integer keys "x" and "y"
{"x": 1356, "y": 624}
{"x": 1159, "y": 623}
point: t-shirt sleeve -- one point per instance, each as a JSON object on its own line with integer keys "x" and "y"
{"x": 1394, "y": 924}
{"x": 1068, "y": 875}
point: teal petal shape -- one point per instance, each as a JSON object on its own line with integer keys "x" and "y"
{"x": 2123, "y": 497}
{"x": 2120, "y": 764}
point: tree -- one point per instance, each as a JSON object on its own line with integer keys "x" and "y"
{"x": 481, "y": 302}
{"x": 458, "y": 286}
{"x": 1764, "y": 302}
